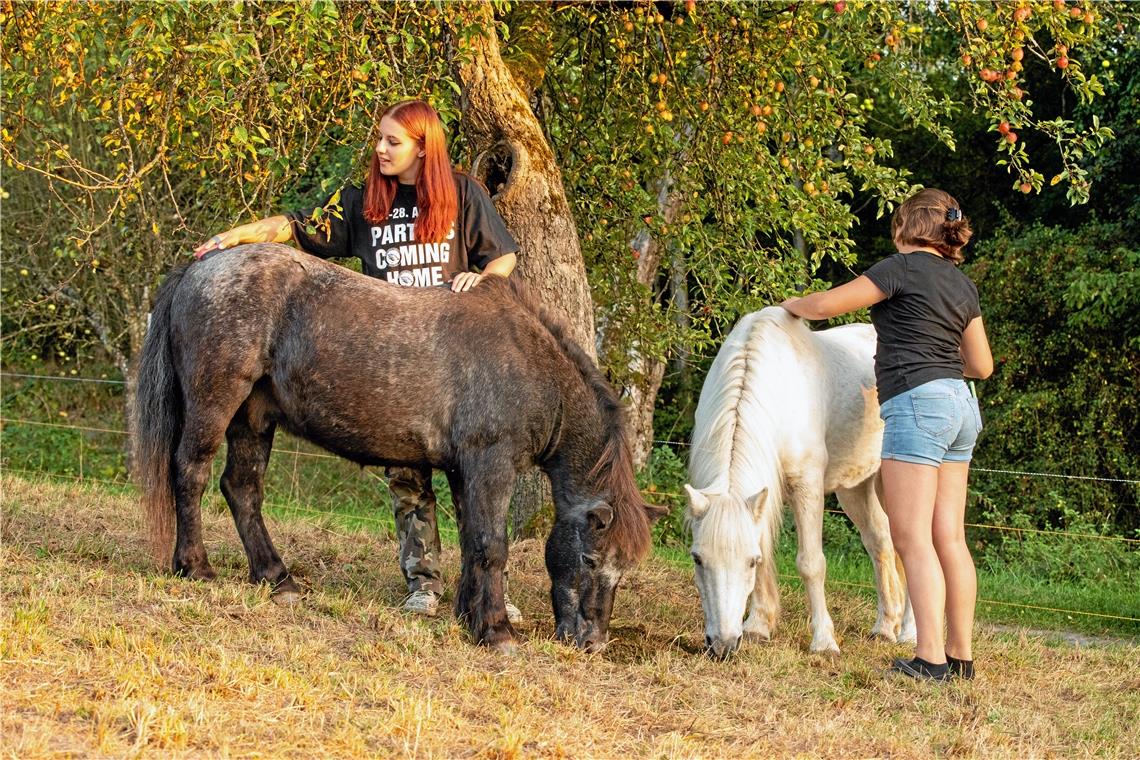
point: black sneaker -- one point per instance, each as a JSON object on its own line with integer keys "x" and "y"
{"x": 920, "y": 670}
{"x": 963, "y": 669}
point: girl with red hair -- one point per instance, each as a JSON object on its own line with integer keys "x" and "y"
{"x": 416, "y": 223}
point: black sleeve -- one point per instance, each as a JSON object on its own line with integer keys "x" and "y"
{"x": 974, "y": 305}
{"x": 325, "y": 230}
{"x": 485, "y": 234}
{"x": 889, "y": 275}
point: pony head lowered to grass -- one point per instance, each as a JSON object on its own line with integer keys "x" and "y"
{"x": 479, "y": 384}
{"x": 786, "y": 415}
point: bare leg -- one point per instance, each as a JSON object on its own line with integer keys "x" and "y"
{"x": 909, "y": 490}
{"x": 954, "y": 555}
{"x": 908, "y": 634}
{"x": 862, "y": 505}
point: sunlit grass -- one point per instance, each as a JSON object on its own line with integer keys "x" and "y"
{"x": 102, "y": 655}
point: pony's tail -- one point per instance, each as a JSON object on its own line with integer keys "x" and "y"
{"x": 156, "y": 424}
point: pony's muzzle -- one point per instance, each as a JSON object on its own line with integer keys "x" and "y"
{"x": 566, "y": 631}
{"x": 586, "y": 635}
{"x": 721, "y": 648}
{"x": 593, "y": 638}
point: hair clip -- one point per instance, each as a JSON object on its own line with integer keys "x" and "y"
{"x": 953, "y": 215}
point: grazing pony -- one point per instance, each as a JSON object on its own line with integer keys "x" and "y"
{"x": 479, "y": 384}
{"x": 786, "y": 415}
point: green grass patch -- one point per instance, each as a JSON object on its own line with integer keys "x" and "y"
{"x": 1006, "y": 595}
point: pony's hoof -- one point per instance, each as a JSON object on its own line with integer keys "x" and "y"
{"x": 283, "y": 584}
{"x": 286, "y": 598}
{"x": 759, "y": 637}
{"x": 500, "y": 638}
{"x": 826, "y": 647}
{"x": 882, "y": 635}
{"x": 508, "y": 648}
{"x": 201, "y": 572}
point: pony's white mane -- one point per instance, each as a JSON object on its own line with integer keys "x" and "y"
{"x": 727, "y": 456}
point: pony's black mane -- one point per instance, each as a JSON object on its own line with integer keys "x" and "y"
{"x": 629, "y": 529}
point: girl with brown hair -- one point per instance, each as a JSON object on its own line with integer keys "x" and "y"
{"x": 930, "y": 336}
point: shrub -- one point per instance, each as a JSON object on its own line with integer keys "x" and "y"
{"x": 1063, "y": 311}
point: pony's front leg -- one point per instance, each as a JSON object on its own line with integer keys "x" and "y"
{"x": 764, "y": 602}
{"x": 807, "y": 507}
{"x": 479, "y": 602}
{"x": 862, "y": 505}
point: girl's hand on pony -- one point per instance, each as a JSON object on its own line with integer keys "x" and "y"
{"x": 465, "y": 281}
{"x": 227, "y": 239}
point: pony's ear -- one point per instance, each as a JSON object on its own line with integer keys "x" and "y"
{"x": 655, "y": 512}
{"x": 756, "y": 503}
{"x": 600, "y": 516}
{"x": 698, "y": 502}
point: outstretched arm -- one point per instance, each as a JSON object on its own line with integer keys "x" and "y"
{"x": 501, "y": 267}
{"x": 275, "y": 229}
{"x": 826, "y": 304}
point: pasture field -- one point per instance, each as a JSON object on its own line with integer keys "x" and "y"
{"x": 102, "y": 656}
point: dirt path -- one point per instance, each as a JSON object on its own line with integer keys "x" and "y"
{"x": 1069, "y": 637}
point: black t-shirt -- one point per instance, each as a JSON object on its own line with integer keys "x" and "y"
{"x": 389, "y": 249}
{"x": 920, "y": 324}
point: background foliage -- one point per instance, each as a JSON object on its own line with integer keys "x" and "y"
{"x": 760, "y": 146}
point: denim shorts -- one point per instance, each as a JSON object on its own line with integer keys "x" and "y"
{"x": 936, "y": 422}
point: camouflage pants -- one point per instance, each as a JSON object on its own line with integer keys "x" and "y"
{"x": 413, "y": 502}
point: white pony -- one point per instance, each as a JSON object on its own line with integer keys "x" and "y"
{"x": 786, "y": 415}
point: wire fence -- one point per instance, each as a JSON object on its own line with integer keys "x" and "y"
{"x": 648, "y": 493}
{"x": 343, "y": 518}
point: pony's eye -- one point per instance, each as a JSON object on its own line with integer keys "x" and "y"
{"x": 697, "y": 560}
{"x": 752, "y": 562}
{"x": 589, "y": 561}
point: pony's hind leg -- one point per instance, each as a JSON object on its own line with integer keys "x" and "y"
{"x": 192, "y": 461}
{"x": 249, "y": 440}
{"x": 487, "y": 480}
{"x": 861, "y": 504}
{"x": 205, "y": 424}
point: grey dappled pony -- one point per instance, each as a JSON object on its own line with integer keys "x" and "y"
{"x": 479, "y": 384}
{"x": 786, "y": 415}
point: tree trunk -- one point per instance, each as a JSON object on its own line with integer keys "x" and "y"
{"x": 649, "y": 372}
{"x": 136, "y": 334}
{"x": 517, "y": 165}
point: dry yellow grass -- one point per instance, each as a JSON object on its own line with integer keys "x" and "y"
{"x": 100, "y": 656}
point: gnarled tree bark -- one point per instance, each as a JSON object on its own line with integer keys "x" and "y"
{"x": 515, "y": 162}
